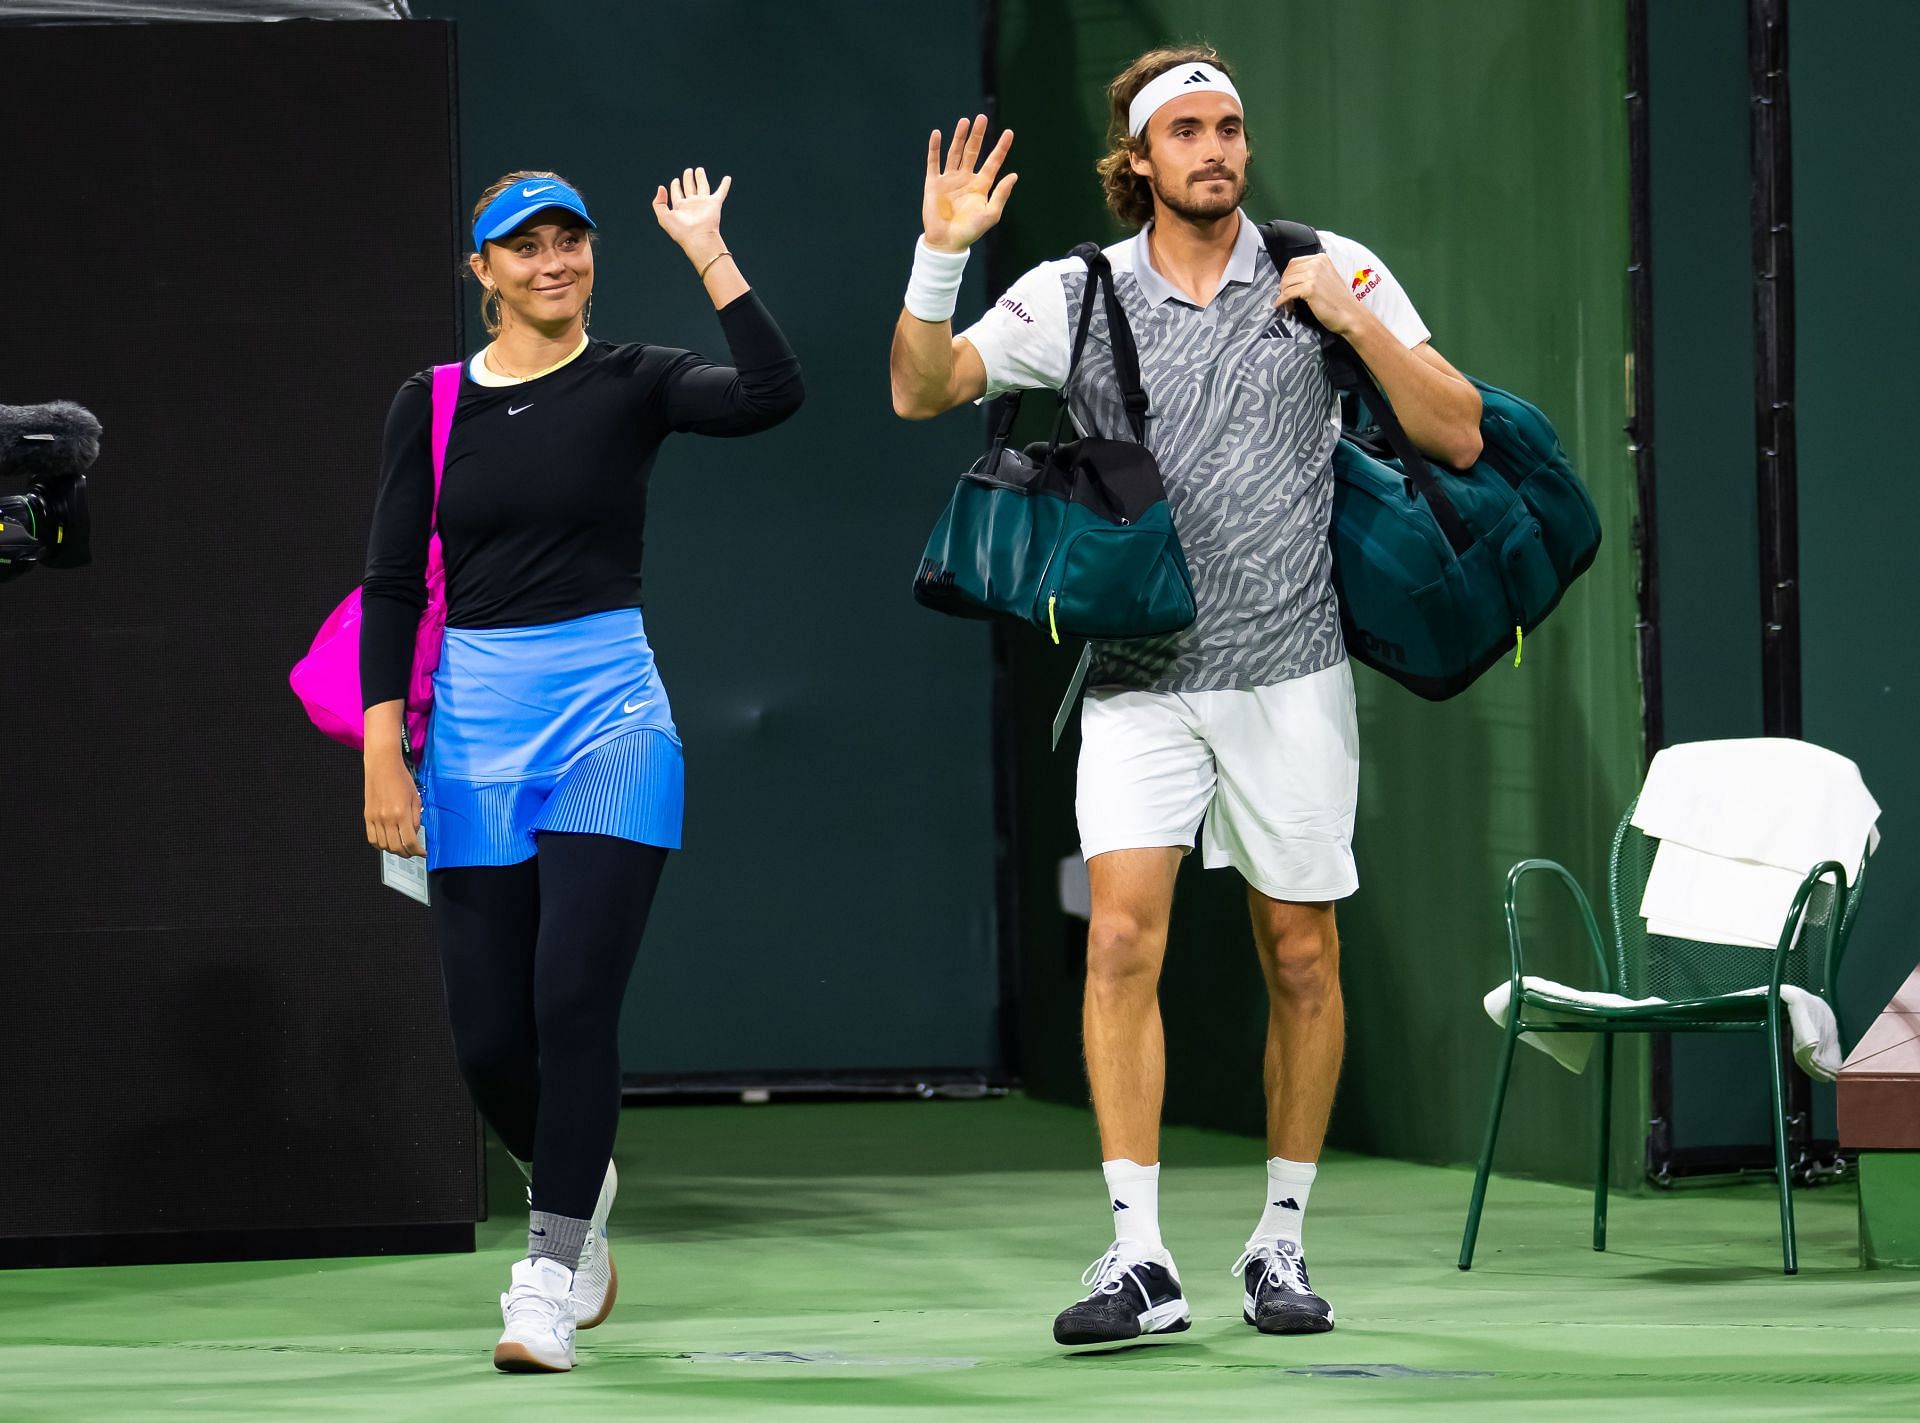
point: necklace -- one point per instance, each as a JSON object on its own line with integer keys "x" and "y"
{"x": 490, "y": 359}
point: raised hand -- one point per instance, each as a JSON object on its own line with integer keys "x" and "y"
{"x": 961, "y": 200}
{"x": 689, "y": 210}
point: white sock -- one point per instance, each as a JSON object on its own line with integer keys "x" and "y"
{"x": 1288, "y": 1184}
{"x": 1133, "y": 1193}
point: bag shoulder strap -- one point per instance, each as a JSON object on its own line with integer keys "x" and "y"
{"x": 446, "y": 395}
{"x": 1296, "y": 239}
{"x": 1126, "y": 356}
{"x": 1288, "y": 240}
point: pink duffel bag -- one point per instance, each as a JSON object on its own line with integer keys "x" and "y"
{"x": 327, "y": 679}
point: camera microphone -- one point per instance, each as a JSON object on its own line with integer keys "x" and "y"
{"x": 56, "y": 438}
{"x": 52, "y": 446}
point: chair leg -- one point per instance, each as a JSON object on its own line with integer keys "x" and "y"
{"x": 1789, "y": 1247}
{"x": 1486, "y": 1153}
{"x": 1600, "y": 1164}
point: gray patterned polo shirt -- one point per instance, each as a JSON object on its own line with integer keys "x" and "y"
{"x": 1242, "y": 422}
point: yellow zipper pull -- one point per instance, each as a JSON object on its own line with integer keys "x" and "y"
{"x": 1519, "y": 641}
{"x": 1052, "y": 625}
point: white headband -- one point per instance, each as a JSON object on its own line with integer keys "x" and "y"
{"x": 1164, "y": 88}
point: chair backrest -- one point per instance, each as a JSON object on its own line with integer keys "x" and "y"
{"x": 1658, "y": 966}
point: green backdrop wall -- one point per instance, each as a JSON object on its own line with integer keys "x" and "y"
{"x": 1480, "y": 150}
{"x": 833, "y": 909}
{"x": 1855, "y": 208}
{"x": 1707, "y": 520}
{"x": 1855, "y": 535}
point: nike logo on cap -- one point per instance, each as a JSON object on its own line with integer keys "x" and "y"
{"x": 516, "y": 409}
{"x": 536, "y": 192}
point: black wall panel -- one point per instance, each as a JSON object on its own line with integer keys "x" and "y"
{"x": 219, "y": 1033}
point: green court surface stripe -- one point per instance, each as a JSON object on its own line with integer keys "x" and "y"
{"x": 893, "y": 1260}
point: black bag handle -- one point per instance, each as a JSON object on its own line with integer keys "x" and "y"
{"x": 1126, "y": 361}
{"x": 1126, "y": 356}
{"x": 1288, "y": 240}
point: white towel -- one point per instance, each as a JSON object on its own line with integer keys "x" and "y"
{"x": 1769, "y": 799}
{"x": 1694, "y": 895}
{"x": 1739, "y": 824}
{"x": 1816, "y": 1034}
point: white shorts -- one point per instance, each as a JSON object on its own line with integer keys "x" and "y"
{"x": 1273, "y": 771}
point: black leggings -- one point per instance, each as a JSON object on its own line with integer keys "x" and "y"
{"x": 536, "y": 958}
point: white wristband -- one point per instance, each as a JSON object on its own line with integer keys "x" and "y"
{"x": 934, "y": 286}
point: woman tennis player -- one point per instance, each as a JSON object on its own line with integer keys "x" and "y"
{"x": 552, "y": 778}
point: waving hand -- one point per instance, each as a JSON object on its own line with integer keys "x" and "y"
{"x": 961, "y": 200}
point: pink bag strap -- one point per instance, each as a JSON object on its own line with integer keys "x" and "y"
{"x": 446, "y": 395}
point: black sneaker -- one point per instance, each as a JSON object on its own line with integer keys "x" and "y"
{"x": 1278, "y": 1298}
{"x": 1129, "y": 1298}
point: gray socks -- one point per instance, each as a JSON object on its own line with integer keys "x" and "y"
{"x": 558, "y": 1238}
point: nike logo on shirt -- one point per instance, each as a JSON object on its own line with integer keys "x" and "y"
{"x": 516, "y": 409}
{"x": 635, "y": 706}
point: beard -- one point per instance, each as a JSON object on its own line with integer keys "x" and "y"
{"x": 1206, "y": 204}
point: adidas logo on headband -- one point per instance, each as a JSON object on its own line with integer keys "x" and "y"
{"x": 1163, "y": 88}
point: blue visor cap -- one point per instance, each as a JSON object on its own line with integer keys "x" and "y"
{"x": 513, "y": 207}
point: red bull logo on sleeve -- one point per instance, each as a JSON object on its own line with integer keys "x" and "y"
{"x": 1364, "y": 281}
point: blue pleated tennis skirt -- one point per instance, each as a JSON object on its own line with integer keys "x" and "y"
{"x": 563, "y": 727}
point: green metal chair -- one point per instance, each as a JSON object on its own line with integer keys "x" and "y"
{"x": 1697, "y": 979}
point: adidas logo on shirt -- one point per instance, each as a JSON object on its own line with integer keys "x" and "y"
{"x": 1276, "y": 328}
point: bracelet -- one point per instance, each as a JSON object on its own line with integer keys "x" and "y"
{"x": 934, "y": 286}
{"x": 711, "y": 260}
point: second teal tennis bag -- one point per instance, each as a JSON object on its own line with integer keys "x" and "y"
{"x": 1442, "y": 572}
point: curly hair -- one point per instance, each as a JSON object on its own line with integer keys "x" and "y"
{"x": 1130, "y": 196}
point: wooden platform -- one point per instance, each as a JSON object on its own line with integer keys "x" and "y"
{"x": 1879, "y": 1091}
{"x": 1879, "y": 1111}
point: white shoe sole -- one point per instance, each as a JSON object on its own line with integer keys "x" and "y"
{"x": 1161, "y": 1316}
{"x": 613, "y": 1293}
{"x": 596, "y": 1232}
{"x": 510, "y": 1356}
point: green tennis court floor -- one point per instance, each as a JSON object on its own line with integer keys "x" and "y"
{"x": 905, "y": 1260}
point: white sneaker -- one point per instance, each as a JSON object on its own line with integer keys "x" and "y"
{"x": 538, "y": 1314}
{"x": 596, "y": 1282}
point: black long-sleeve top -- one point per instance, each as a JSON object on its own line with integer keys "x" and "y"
{"x": 543, "y": 502}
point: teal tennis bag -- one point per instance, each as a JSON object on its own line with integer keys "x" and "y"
{"x": 1441, "y": 572}
{"x": 1074, "y": 537}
